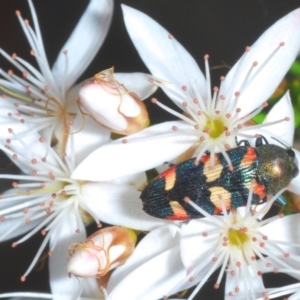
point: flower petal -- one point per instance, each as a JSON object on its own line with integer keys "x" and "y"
{"x": 144, "y": 150}
{"x": 164, "y": 56}
{"x": 273, "y": 63}
{"x": 148, "y": 248}
{"x": 118, "y": 205}
{"x": 283, "y": 108}
{"x": 63, "y": 235}
{"x": 153, "y": 279}
{"x": 190, "y": 236}
{"x": 138, "y": 83}
{"x": 84, "y": 42}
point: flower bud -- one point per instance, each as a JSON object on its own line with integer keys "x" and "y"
{"x": 111, "y": 105}
{"x": 103, "y": 251}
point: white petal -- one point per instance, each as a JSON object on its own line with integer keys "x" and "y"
{"x": 284, "y": 229}
{"x": 137, "y": 180}
{"x": 138, "y": 83}
{"x": 118, "y": 205}
{"x": 144, "y": 150}
{"x": 254, "y": 281}
{"x": 191, "y": 235}
{"x": 9, "y": 223}
{"x": 60, "y": 283}
{"x": 84, "y": 42}
{"x": 148, "y": 248}
{"x": 263, "y": 82}
{"x": 165, "y": 58}
{"x": 153, "y": 279}
{"x": 283, "y": 108}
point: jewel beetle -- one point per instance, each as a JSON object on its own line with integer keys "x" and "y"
{"x": 266, "y": 167}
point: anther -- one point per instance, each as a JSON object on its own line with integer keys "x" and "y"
{"x": 196, "y": 126}
{"x": 27, "y": 221}
{"x": 259, "y": 273}
{"x": 14, "y": 55}
{"x": 191, "y": 279}
{"x": 65, "y": 52}
{"x": 206, "y": 56}
{"x": 15, "y": 156}
{"x": 286, "y": 255}
{"x": 44, "y": 159}
{"x": 255, "y": 64}
{"x": 217, "y": 112}
{"x": 14, "y": 244}
{"x": 77, "y": 230}
{"x": 222, "y": 78}
{"x": 10, "y": 130}
{"x": 43, "y": 232}
{"x": 99, "y": 225}
{"x": 216, "y": 89}
{"x": 50, "y": 253}
{"x": 24, "y": 74}
{"x": 222, "y": 97}
{"x": 2, "y": 219}
{"x": 14, "y": 184}
{"x": 33, "y": 161}
{"x": 238, "y": 264}
{"x": 22, "y": 121}
{"x": 25, "y": 210}
{"x": 48, "y": 210}
{"x": 185, "y": 104}
{"x": 261, "y": 244}
{"x": 18, "y": 13}
{"x": 26, "y": 21}
{"x": 199, "y": 112}
{"x": 196, "y": 101}
{"x": 41, "y": 139}
{"x": 124, "y": 141}
{"x": 237, "y": 289}
{"x": 170, "y": 36}
{"x": 10, "y": 72}
{"x": 287, "y": 119}
{"x": 281, "y": 44}
{"x": 174, "y": 128}
{"x": 204, "y": 234}
{"x": 247, "y": 49}
{"x": 184, "y": 88}
{"x": 202, "y": 138}
{"x": 53, "y": 196}
{"x": 216, "y": 286}
{"x": 32, "y": 52}
{"x": 265, "y": 237}
{"x": 23, "y": 278}
{"x": 268, "y": 265}
{"x": 238, "y": 110}
{"x": 237, "y": 94}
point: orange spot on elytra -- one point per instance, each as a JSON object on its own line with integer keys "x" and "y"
{"x": 249, "y": 157}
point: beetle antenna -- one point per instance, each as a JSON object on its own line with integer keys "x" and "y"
{"x": 280, "y": 141}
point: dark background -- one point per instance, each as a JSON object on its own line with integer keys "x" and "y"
{"x": 220, "y": 28}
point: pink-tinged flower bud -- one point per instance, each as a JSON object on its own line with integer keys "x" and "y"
{"x": 111, "y": 105}
{"x": 103, "y": 251}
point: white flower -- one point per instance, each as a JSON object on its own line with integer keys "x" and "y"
{"x": 238, "y": 242}
{"x": 47, "y": 200}
{"x": 45, "y": 98}
{"x": 210, "y": 122}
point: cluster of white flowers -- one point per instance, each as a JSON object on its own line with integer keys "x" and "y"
{"x": 73, "y": 173}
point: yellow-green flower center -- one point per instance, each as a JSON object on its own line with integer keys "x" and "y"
{"x": 237, "y": 237}
{"x": 214, "y": 128}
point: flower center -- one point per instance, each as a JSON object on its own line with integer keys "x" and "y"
{"x": 237, "y": 237}
{"x": 214, "y": 128}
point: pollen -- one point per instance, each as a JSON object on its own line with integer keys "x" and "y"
{"x": 237, "y": 237}
{"x": 214, "y": 128}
